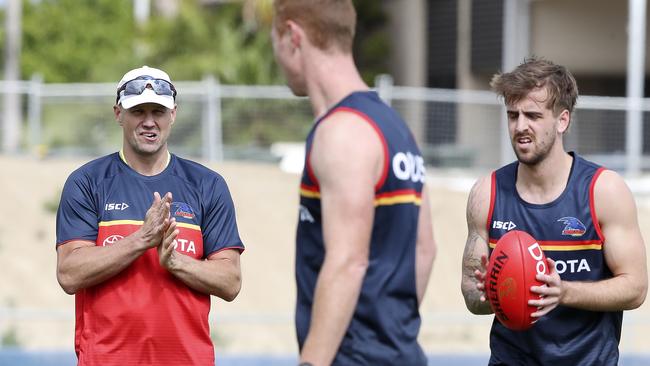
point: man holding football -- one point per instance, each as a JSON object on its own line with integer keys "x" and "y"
{"x": 583, "y": 216}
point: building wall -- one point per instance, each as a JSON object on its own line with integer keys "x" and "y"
{"x": 587, "y": 36}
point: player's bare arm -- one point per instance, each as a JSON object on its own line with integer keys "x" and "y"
{"x": 219, "y": 275}
{"x": 476, "y": 248}
{"x": 81, "y": 264}
{"x": 425, "y": 247}
{"x": 347, "y": 158}
{"x": 624, "y": 252}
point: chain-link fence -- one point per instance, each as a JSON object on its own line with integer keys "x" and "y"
{"x": 455, "y": 128}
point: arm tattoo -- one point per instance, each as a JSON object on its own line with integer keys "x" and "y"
{"x": 472, "y": 260}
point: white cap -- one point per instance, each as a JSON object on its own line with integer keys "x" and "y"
{"x": 148, "y": 95}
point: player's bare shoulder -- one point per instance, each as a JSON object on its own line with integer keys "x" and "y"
{"x": 612, "y": 197}
{"x": 610, "y": 183}
{"x": 478, "y": 202}
{"x": 347, "y": 139}
{"x": 347, "y": 125}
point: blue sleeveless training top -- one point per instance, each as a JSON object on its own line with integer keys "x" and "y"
{"x": 568, "y": 231}
{"x": 386, "y": 321}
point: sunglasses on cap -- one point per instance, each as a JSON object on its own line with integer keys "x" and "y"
{"x": 139, "y": 84}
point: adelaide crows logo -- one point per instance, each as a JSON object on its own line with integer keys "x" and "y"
{"x": 182, "y": 209}
{"x": 573, "y": 226}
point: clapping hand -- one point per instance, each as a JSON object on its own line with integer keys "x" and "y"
{"x": 156, "y": 220}
{"x": 166, "y": 253}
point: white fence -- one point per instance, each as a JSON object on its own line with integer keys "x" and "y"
{"x": 456, "y": 128}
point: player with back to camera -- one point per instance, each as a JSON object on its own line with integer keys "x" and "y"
{"x": 365, "y": 244}
{"x": 142, "y": 267}
{"x": 584, "y": 217}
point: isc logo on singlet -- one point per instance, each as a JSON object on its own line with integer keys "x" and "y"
{"x": 407, "y": 166}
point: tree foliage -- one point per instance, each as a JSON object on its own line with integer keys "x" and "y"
{"x": 212, "y": 40}
{"x": 77, "y": 41}
{"x": 371, "y": 44}
{"x": 3, "y": 40}
{"x": 97, "y": 40}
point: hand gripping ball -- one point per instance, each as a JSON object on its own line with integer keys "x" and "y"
{"x": 514, "y": 263}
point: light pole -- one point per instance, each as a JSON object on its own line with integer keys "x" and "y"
{"x": 11, "y": 118}
{"x": 636, "y": 29}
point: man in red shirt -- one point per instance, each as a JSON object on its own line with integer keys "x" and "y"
{"x": 144, "y": 238}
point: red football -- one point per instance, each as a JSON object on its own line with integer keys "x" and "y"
{"x": 514, "y": 263}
